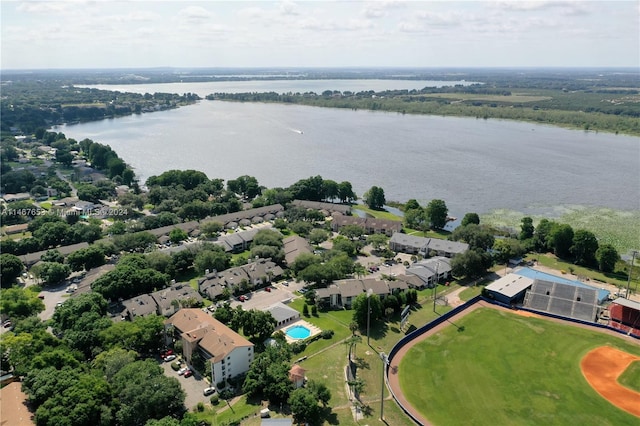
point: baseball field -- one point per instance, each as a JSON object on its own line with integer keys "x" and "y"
{"x": 495, "y": 367}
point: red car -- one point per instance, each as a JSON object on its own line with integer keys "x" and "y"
{"x": 188, "y": 373}
{"x": 267, "y": 289}
{"x": 242, "y": 298}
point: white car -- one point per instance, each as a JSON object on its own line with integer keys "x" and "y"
{"x": 182, "y": 370}
{"x": 209, "y": 391}
{"x": 169, "y": 358}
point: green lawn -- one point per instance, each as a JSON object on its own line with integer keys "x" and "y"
{"x": 507, "y": 369}
{"x": 631, "y": 376}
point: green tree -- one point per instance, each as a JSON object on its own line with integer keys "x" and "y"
{"x": 507, "y": 248}
{"x": 144, "y": 393}
{"x": 211, "y": 228}
{"x": 51, "y": 272}
{"x": 304, "y": 407}
{"x": 374, "y": 198}
{"x": 353, "y": 232}
{"x": 470, "y": 218}
{"x": 177, "y": 235}
{"x": 317, "y": 236}
{"x": 526, "y": 228}
{"x": 86, "y": 258}
{"x": 268, "y": 375}
{"x": 345, "y": 192}
{"x": 561, "y": 238}
{"x": 20, "y": 303}
{"x": 477, "y": 236}
{"x": 360, "y": 305}
{"x": 607, "y": 256}
{"x": 258, "y": 325}
{"x": 377, "y": 241}
{"x": 471, "y": 264}
{"x": 437, "y": 213}
{"x": 11, "y": 267}
{"x": 585, "y": 246}
{"x": 268, "y": 237}
{"x": 213, "y": 259}
{"x": 143, "y": 334}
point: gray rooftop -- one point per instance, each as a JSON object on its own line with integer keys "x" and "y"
{"x": 510, "y": 285}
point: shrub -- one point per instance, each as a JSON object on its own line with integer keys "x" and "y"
{"x": 314, "y": 310}
{"x": 305, "y": 310}
{"x": 298, "y": 347}
{"x": 175, "y": 366}
{"x": 200, "y": 407}
{"x": 215, "y": 399}
{"x": 327, "y": 334}
{"x": 221, "y": 384}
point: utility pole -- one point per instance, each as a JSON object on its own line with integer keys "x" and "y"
{"x": 435, "y": 285}
{"x": 385, "y": 360}
{"x": 633, "y": 259}
{"x": 369, "y": 293}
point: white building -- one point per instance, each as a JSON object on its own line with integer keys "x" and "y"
{"x": 229, "y": 353}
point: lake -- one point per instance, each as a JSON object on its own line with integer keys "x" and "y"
{"x": 474, "y": 165}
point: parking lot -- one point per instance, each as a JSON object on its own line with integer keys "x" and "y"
{"x": 262, "y": 299}
{"x": 192, "y": 386}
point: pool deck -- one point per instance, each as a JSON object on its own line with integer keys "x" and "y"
{"x": 312, "y": 328}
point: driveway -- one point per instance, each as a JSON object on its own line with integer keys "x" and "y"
{"x": 192, "y": 386}
{"x": 52, "y": 296}
{"x": 262, "y": 299}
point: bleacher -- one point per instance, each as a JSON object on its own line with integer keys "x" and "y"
{"x": 624, "y": 318}
{"x": 562, "y": 299}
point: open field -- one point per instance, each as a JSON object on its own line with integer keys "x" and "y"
{"x": 515, "y": 98}
{"x": 507, "y": 369}
{"x": 631, "y": 377}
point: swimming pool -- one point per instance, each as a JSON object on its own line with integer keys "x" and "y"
{"x": 298, "y": 332}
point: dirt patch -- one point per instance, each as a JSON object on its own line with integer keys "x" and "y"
{"x": 602, "y": 367}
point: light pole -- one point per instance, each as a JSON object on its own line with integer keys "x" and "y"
{"x": 633, "y": 259}
{"x": 369, "y": 293}
{"x": 385, "y": 360}
{"x": 435, "y": 284}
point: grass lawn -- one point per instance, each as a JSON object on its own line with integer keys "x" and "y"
{"x": 378, "y": 214}
{"x": 470, "y": 292}
{"x": 631, "y": 376}
{"x": 508, "y": 369}
{"x": 552, "y": 261}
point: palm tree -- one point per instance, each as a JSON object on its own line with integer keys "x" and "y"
{"x": 353, "y": 326}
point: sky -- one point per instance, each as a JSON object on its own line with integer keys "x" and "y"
{"x": 384, "y": 33}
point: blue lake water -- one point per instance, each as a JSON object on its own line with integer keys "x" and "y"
{"x": 474, "y": 165}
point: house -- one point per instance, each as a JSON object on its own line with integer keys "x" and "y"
{"x": 296, "y": 375}
{"x": 255, "y": 274}
{"x": 371, "y": 225}
{"x": 266, "y": 212}
{"x": 294, "y": 246}
{"x": 327, "y": 207}
{"x": 16, "y": 229}
{"x": 343, "y": 293}
{"x": 229, "y": 353}
{"x": 426, "y": 247}
{"x": 139, "y": 306}
{"x": 431, "y": 270}
{"x": 30, "y": 259}
{"x": 20, "y": 196}
{"x": 168, "y": 299}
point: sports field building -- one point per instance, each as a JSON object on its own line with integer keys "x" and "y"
{"x": 602, "y": 294}
{"x": 563, "y": 299}
{"x": 509, "y": 289}
{"x": 625, "y": 315}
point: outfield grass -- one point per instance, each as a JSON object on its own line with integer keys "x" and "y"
{"x": 631, "y": 376}
{"x": 508, "y": 369}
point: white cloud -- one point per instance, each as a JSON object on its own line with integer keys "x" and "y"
{"x": 194, "y": 13}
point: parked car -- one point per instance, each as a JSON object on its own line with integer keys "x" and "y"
{"x": 211, "y": 308}
{"x": 267, "y": 289}
{"x": 169, "y": 358}
{"x": 183, "y": 370}
{"x": 285, "y": 283}
{"x": 188, "y": 373}
{"x": 6, "y": 324}
{"x": 242, "y": 298}
{"x": 209, "y": 391}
